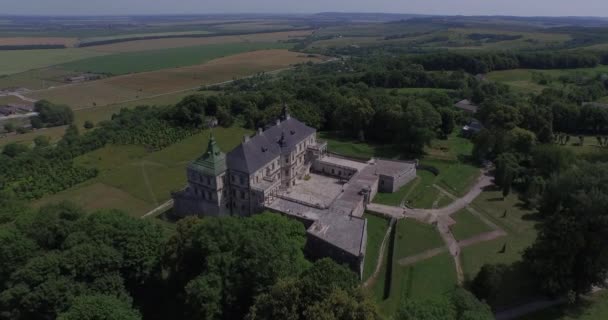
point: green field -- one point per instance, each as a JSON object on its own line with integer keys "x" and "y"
{"x": 425, "y": 279}
{"x": 522, "y": 80}
{"x": 146, "y": 35}
{"x": 141, "y": 180}
{"x": 519, "y": 224}
{"x": 467, "y": 225}
{"x": 15, "y": 61}
{"x": 133, "y": 62}
{"x": 376, "y": 229}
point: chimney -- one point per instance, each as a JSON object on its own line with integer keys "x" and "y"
{"x": 245, "y": 138}
{"x": 260, "y": 131}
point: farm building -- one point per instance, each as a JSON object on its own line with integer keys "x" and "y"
{"x": 466, "y": 106}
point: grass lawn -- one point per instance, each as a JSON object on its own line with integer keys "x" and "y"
{"x": 413, "y": 237}
{"x": 146, "y": 177}
{"x": 133, "y": 62}
{"x": 594, "y": 307}
{"x": 424, "y": 194}
{"x": 351, "y": 148}
{"x": 394, "y": 199}
{"x": 376, "y": 229}
{"x": 425, "y": 279}
{"x": 520, "y": 224}
{"x": 467, "y": 225}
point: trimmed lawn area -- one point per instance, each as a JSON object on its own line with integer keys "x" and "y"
{"x": 376, "y": 229}
{"x": 413, "y": 237}
{"x": 467, "y": 225}
{"x": 426, "y": 279}
{"x": 352, "y": 148}
{"x": 519, "y": 224}
{"x": 594, "y": 307}
{"x": 146, "y": 177}
{"x": 424, "y": 194}
{"x": 456, "y": 177}
{"x": 394, "y": 199}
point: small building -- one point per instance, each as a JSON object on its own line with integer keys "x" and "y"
{"x": 472, "y": 128}
{"x": 466, "y": 106}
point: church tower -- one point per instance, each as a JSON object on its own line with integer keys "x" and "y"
{"x": 207, "y": 191}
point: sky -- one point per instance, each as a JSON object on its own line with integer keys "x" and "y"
{"x": 443, "y": 7}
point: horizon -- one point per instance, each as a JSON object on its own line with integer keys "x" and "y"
{"x": 293, "y": 14}
{"x": 515, "y": 8}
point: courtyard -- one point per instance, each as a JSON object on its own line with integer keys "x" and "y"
{"x": 316, "y": 189}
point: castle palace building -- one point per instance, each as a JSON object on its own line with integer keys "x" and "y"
{"x": 286, "y": 169}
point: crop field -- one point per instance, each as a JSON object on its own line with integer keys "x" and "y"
{"x": 135, "y": 180}
{"x": 157, "y": 44}
{"x": 15, "y": 61}
{"x": 151, "y": 34}
{"x": 133, "y": 62}
{"x": 13, "y": 100}
{"x": 138, "y": 86}
{"x": 22, "y": 41}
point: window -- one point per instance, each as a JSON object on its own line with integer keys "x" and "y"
{"x": 286, "y": 160}
{"x": 242, "y": 194}
{"x": 242, "y": 180}
{"x": 287, "y": 172}
{"x": 333, "y": 171}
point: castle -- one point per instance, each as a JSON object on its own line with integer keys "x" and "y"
{"x": 286, "y": 169}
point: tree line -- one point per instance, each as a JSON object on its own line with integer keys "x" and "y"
{"x": 59, "y": 262}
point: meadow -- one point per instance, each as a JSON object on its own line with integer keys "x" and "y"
{"x": 522, "y": 80}
{"x": 135, "y": 180}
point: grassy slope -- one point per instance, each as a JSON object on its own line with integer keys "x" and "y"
{"x": 376, "y": 229}
{"x": 147, "y": 178}
{"x": 133, "y": 62}
{"x": 425, "y": 279}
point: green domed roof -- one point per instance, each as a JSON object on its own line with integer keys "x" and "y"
{"x": 212, "y": 162}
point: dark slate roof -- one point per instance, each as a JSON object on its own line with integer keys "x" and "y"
{"x": 466, "y": 105}
{"x": 262, "y": 148}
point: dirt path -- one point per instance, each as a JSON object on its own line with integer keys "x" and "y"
{"x": 380, "y": 261}
{"x": 421, "y": 256}
{"x": 159, "y": 209}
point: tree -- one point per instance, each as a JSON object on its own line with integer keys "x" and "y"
{"x": 9, "y": 127}
{"x": 487, "y": 283}
{"x": 420, "y": 124}
{"x": 52, "y": 114}
{"x": 520, "y": 140}
{"x": 468, "y": 307}
{"x": 14, "y": 149}
{"x": 570, "y": 253}
{"x": 447, "y": 121}
{"x": 42, "y": 141}
{"x": 243, "y": 258}
{"x": 96, "y": 307}
{"x": 88, "y": 125}
{"x": 440, "y": 309}
{"x": 190, "y": 111}
{"x": 36, "y": 122}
